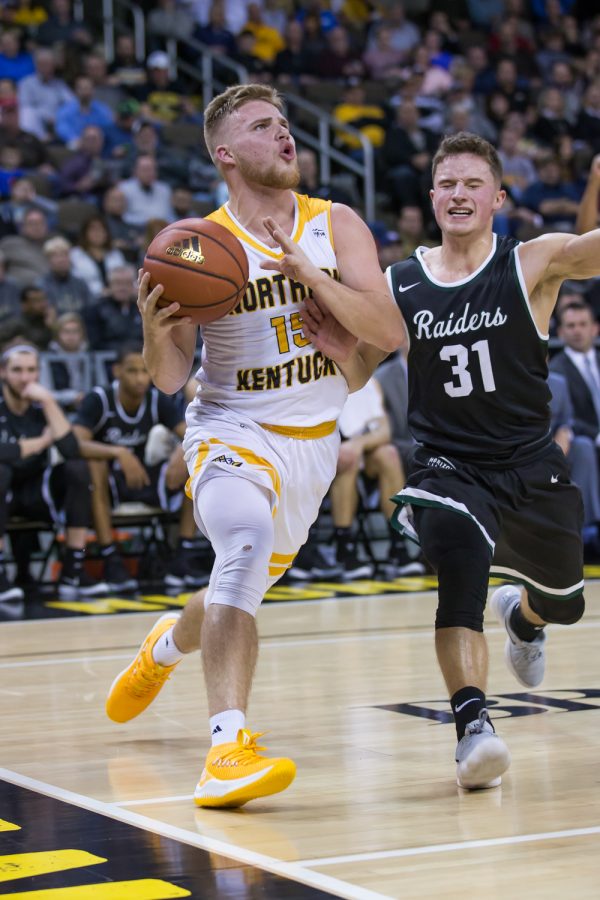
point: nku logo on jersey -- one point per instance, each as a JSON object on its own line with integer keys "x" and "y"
{"x": 188, "y": 249}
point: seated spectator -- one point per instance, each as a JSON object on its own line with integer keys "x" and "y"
{"x": 33, "y": 151}
{"x": 405, "y": 34}
{"x": 24, "y": 252}
{"x": 294, "y": 64}
{"x": 513, "y": 87}
{"x": 258, "y": 71}
{"x": 340, "y": 60}
{"x": 37, "y": 317}
{"x": 382, "y": 60}
{"x": 587, "y": 127}
{"x": 368, "y": 118}
{"x": 581, "y": 454}
{"x": 61, "y": 28}
{"x": 116, "y": 319}
{"x": 10, "y": 302}
{"x": 310, "y": 183}
{"x": 410, "y": 232}
{"x": 518, "y": 170}
{"x": 66, "y": 292}
{"x": 146, "y": 196}
{"x": 164, "y": 99}
{"x": 551, "y": 122}
{"x": 74, "y": 115}
{"x": 87, "y": 173}
{"x": 125, "y": 71}
{"x": 23, "y": 197}
{"x": 27, "y": 14}
{"x": 40, "y": 95}
{"x": 406, "y": 157}
{"x": 579, "y": 363}
{"x": 14, "y": 62}
{"x": 214, "y": 32}
{"x": 65, "y": 366}
{"x": 113, "y": 425}
{"x": 268, "y": 42}
{"x": 555, "y": 201}
{"x": 111, "y": 95}
{"x": 32, "y": 423}
{"x": 94, "y": 258}
{"x": 10, "y": 168}
{"x": 168, "y": 19}
{"x": 124, "y": 237}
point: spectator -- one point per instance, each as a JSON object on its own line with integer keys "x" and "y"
{"x": 65, "y": 368}
{"x": 405, "y": 35}
{"x": 33, "y": 151}
{"x": 37, "y": 316}
{"x": 116, "y": 320}
{"x": 94, "y": 257}
{"x": 24, "y": 252}
{"x": 14, "y": 63}
{"x": 551, "y": 122}
{"x": 114, "y": 425}
{"x": 10, "y": 168}
{"x": 294, "y": 64}
{"x": 518, "y": 171}
{"x": 23, "y": 197}
{"x": 72, "y": 117}
{"x": 146, "y": 196}
{"x": 86, "y": 174}
{"x": 406, "y": 157}
{"x": 410, "y": 231}
{"x": 169, "y": 20}
{"x": 368, "y": 118}
{"x": 268, "y": 42}
{"x": 382, "y": 60}
{"x": 340, "y": 60}
{"x": 366, "y": 451}
{"x": 10, "y": 304}
{"x": 588, "y": 122}
{"x": 95, "y": 67}
{"x": 511, "y": 85}
{"x": 581, "y": 455}
{"x": 258, "y": 71}
{"x": 125, "y": 71}
{"x": 579, "y": 363}
{"x": 40, "y": 95}
{"x": 215, "y": 33}
{"x": 164, "y": 99}
{"x": 120, "y": 137}
{"x": 556, "y": 202}
{"x": 66, "y": 292}
{"x": 311, "y": 184}
{"x": 124, "y": 237}
{"x": 32, "y": 422}
{"x": 60, "y": 28}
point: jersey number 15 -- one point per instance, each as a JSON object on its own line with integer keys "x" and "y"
{"x": 459, "y": 354}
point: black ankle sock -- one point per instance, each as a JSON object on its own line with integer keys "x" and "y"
{"x": 466, "y": 705}
{"x": 73, "y": 563}
{"x": 108, "y": 550}
{"x": 523, "y": 629}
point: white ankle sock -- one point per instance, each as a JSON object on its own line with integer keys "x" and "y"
{"x": 225, "y": 725}
{"x": 165, "y": 651}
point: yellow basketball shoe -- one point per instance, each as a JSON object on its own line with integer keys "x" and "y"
{"x": 235, "y": 773}
{"x": 136, "y": 686}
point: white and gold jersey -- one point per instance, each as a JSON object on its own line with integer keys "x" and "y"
{"x": 255, "y": 360}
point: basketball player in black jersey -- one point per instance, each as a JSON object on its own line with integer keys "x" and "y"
{"x": 113, "y": 425}
{"x": 490, "y": 493}
{"x": 31, "y": 422}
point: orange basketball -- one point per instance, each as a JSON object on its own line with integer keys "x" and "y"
{"x": 201, "y": 265}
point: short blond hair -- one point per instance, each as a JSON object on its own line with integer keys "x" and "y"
{"x": 223, "y": 105}
{"x": 54, "y": 244}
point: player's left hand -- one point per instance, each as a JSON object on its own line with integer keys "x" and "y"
{"x": 325, "y": 332}
{"x": 37, "y": 392}
{"x": 295, "y": 263}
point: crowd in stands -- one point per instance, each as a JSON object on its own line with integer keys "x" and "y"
{"x": 97, "y": 155}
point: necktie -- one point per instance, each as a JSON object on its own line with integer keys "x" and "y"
{"x": 591, "y": 377}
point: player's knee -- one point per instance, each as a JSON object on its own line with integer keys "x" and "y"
{"x": 241, "y": 569}
{"x": 462, "y": 590}
{"x": 77, "y": 473}
{"x": 349, "y": 458}
{"x": 557, "y": 610}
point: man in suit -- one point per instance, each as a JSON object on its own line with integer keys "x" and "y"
{"x": 580, "y": 364}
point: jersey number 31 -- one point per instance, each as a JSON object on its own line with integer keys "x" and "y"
{"x": 459, "y": 355}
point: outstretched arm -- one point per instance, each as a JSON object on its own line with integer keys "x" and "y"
{"x": 587, "y": 214}
{"x": 360, "y": 301}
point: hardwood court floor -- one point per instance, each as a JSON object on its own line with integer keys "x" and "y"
{"x": 350, "y": 689}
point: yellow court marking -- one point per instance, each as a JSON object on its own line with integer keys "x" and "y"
{"x": 143, "y": 889}
{"x": 297, "y": 593}
{"x": 8, "y": 826}
{"x": 165, "y": 600}
{"x": 25, "y": 865}
{"x": 104, "y": 606}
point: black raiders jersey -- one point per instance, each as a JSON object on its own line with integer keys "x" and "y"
{"x": 477, "y": 364}
{"x": 102, "y": 413}
{"x": 13, "y": 427}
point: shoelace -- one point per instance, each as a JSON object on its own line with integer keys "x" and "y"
{"x": 142, "y": 681}
{"x": 244, "y": 748}
{"x": 476, "y": 727}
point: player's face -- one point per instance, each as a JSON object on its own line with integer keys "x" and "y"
{"x": 578, "y": 329}
{"x": 465, "y": 194}
{"x": 259, "y": 142}
{"x": 18, "y": 371}
{"x": 133, "y": 375}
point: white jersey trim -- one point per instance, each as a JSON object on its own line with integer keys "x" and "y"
{"x": 453, "y": 284}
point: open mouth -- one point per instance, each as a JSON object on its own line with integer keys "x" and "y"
{"x": 287, "y": 151}
{"x": 459, "y": 212}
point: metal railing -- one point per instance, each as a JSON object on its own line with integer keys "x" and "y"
{"x": 206, "y": 74}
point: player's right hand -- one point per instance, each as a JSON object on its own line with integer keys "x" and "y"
{"x": 136, "y": 476}
{"x": 325, "y": 332}
{"x": 156, "y": 320}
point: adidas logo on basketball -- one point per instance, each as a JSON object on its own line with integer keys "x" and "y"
{"x": 188, "y": 249}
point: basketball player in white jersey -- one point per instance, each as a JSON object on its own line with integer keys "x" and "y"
{"x": 262, "y": 442}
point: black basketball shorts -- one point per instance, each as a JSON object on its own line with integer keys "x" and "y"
{"x": 530, "y": 516}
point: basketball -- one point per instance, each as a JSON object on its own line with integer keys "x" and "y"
{"x": 201, "y": 265}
